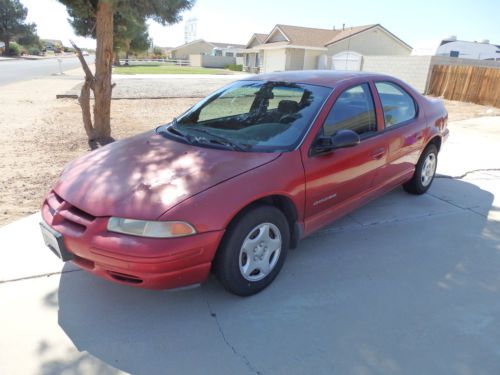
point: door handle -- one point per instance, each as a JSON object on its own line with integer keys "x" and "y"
{"x": 378, "y": 153}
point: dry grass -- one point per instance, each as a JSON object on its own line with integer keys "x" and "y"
{"x": 32, "y": 157}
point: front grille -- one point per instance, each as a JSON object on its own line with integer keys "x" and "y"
{"x": 68, "y": 215}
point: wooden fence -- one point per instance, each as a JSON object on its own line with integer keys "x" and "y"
{"x": 466, "y": 83}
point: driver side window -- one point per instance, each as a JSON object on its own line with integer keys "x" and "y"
{"x": 354, "y": 110}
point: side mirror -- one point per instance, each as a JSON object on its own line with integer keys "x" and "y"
{"x": 341, "y": 139}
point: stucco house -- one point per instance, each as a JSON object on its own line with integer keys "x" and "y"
{"x": 202, "y": 47}
{"x": 298, "y": 48}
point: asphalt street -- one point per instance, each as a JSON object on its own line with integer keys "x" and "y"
{"x": 18, "y": 70}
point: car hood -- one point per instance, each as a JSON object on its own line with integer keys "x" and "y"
{"x": 144, "y": 176}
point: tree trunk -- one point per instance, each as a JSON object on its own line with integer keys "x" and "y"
{"x": 117, "y": 60}
{"x": 103, "y": 66}
{"x": 6, "y": 51}
{"x": 126, "y": 58}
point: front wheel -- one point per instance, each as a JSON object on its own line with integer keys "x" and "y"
{"x": 253, "y": 250}
{"x": 424, "y": 172}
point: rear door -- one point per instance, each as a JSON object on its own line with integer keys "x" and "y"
{"x": 335, "y": 180}
{"x": 403, "y": 131}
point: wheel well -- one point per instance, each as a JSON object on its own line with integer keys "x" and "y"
{"x": 285, "y": 205}
{"x": 436, "y": 141}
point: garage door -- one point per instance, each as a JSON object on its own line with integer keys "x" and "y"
{"x": 274, "y": 60}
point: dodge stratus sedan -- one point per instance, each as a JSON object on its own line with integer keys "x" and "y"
{"x": 241, "y": 177}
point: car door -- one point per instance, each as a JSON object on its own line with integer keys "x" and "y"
{"x": 404, "y": 127}
{"x": 335, "y": 180}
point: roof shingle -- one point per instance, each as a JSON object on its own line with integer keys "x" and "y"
{"x": 314, "y": 37}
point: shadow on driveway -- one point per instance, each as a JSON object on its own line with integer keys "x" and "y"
{"x": 418, "y": 294}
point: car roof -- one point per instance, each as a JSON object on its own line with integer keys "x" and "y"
{"x": 327, "y": 78}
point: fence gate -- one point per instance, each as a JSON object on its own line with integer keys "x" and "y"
{"x": 347, "y": 60}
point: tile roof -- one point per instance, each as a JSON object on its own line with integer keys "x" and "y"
{"x": 260, "y": 37}
{"x": 308, "y": 36}
{"x": 227, "y": 45}
{"x": 349, "y": 32}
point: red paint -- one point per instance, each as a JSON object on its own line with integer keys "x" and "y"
{"x": 152, "y": 178}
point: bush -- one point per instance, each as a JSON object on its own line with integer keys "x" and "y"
{"x": 34, "y": 51}
{"x": 14, "y": 49}
{"x": 234, "y": 67}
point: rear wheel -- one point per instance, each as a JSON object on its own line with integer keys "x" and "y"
{"x": 424, "y": 172}
{"x": 253, "y": 250}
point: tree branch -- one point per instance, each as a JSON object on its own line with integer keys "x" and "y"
{"x": 88, "y": 74}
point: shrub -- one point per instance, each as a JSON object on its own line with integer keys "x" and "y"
{"x": 234, "y": 67}
{"x": 34, "y": 51}
{"x": 14, "y": 49}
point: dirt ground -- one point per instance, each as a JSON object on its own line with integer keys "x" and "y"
{"x": 39, "y": 135}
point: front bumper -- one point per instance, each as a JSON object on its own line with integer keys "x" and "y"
{"x": 149, "y": 263}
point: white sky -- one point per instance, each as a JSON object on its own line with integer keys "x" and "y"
{"x": 236, "y": 20}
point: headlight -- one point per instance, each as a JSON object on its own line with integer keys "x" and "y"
{"x": 155, "y": 229}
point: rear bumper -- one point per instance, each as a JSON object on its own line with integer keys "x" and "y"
{"x": 141, "y": 262}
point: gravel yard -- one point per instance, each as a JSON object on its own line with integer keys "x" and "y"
{"x": 40, "y": 134}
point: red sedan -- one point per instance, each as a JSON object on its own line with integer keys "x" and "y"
{"x": 239, "y": 178}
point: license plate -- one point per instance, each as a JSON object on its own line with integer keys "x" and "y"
{"x": 54, "y": 241}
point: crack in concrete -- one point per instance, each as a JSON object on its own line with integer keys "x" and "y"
{"x": 470, "y": 209}
{"x": 37, "y": 276}
{"x": 228, "y": 344}
{"x": 467, "y": 173}
{"x": 327, "y": 231}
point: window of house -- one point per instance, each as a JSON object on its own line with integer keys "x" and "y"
{"x": 229, "y": 54}
{"x": 257, "y": 60}
{"x": 247, "y": 59}
{"x": 354, "y": 110}
{"x": 454, "y": 53}
{"x": 397, "y": 104}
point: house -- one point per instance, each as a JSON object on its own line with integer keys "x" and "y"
{"x": 202, "y": 47}
{"x": 52, "y": 45}
{"x": 452, "y": 47}
{"x": 296, "y": 48}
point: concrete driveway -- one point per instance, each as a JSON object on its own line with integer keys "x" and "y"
{"x": 405, "y": 285}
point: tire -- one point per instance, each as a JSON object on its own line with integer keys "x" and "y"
{"x": 424, "y": 172}
{"x": 253, "y": 250}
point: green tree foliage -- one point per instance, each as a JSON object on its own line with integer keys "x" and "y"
{"x": 30, "y": 37}
{"x": 130, "y": 34}
{"x": 95, "y": 18}
{"x": 12, "y": 23}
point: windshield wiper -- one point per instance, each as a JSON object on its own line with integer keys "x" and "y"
{"x": 172, "y": 128}
{"x": 222, "y": 140}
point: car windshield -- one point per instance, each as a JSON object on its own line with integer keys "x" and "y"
{"x": 260, "y": 116}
